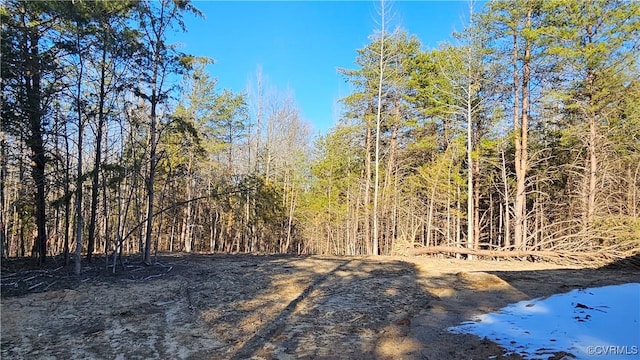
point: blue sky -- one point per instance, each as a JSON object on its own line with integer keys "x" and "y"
{"x": 300, "y": 44}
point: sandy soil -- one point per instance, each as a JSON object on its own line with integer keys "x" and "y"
{"x": 270, "y": 307}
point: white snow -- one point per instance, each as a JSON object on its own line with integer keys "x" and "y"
{"x": 594, "y": 323}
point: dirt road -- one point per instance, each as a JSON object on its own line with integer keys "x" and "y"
{"x": 271, "y": 307}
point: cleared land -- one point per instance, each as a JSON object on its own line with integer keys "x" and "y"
{"x": 270, "y": 307}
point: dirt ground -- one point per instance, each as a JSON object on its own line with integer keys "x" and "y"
{"x": 270, "y": 307}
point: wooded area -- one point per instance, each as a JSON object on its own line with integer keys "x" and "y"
{"x": 522, "y": 135}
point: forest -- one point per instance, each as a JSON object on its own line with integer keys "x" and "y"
{"x": 521, "y": 137}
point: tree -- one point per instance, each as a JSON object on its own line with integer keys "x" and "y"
{"x": 593, "y": 45}
{"x": 330, "y": 208}
{"x": 453, "y": 82}
{"x": 382, "y": 55}
{"x": 159, "y": 59}
{"x": 111, "y": 45}
{"x": 516, "y": 27}
{"x": 31, "y": 73}
{"x": 78, "y": 21}
{"x": 206, "y": 125}
{"x": 185, "y": 147}
{"x": 384, "y": 93}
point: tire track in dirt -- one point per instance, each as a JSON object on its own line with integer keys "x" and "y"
{"x": 358, "y": 310}
{"x": 275, "y": 327}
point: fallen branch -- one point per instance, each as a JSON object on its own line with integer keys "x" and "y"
{"x": 30, "y": 278}
{"x": 35, "y": 286}
{"x": 48, "y": 286}
{"x": 490, "y": 253}
{"x": 547, "y": 255}
{"x": 157, "y": 275}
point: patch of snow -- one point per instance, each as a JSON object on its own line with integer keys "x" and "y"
{"x": 593, "y": 323}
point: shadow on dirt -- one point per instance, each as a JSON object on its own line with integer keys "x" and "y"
{"x": 248, "y": 306}
{"x": 549, "y": 282}
{"x": 21, "y": 276}
{"x": 465, "y": 294}
{"x": 631, "y": 263}
{"x": 310, "y": 308}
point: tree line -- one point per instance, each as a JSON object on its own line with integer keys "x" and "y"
{"x": 523, "y": 134}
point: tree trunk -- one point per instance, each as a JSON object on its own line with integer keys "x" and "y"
{"x": 152, "y": 167}
{"x": 67, "y": 196}
{"x": 95, "y": 176}
{"x": 105, "y": 208}
{"x": 430, "y": 216}
{"x": 186, "y": 217}
{"x": 476, "y": 209}
{"x": 507, "y": 230}
{"x": 593, "y": 156}
{"x": 367, "y": 193}
{"x": 521, "y": 135}
{"x": 390, "y": 188}
{"x": 290, "y": 222}
{"x": 35, "y": 138}
{"x": 524, "y": 148}
{"x": 80, "y": 178}
{"x": 376, "y": 185}
{"x": 470, "y": 192}
{"x": 3, "y": 203}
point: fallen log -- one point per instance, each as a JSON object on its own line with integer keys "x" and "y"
{"x": 489, "y": 253}
{"x": 598, "y": 258}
